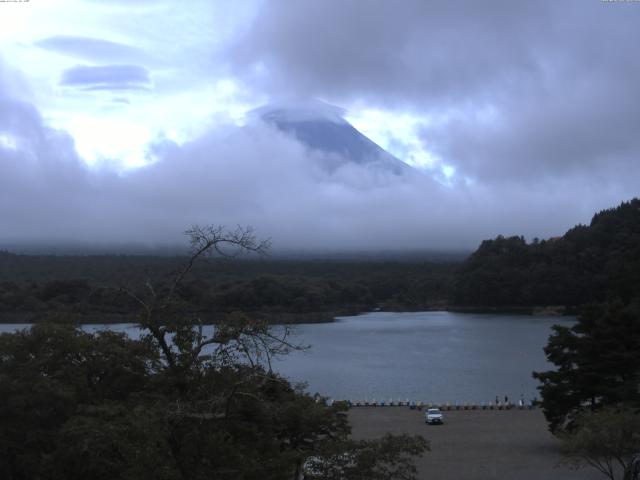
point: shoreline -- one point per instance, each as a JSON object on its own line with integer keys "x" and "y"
{"x": 289, "y": 318}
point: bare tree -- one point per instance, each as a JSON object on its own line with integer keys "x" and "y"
{"x": 180, "y": 337}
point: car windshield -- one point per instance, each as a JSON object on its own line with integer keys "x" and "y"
{"x": 433, "y": 411}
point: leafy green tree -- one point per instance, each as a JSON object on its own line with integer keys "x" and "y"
{"x": 597, "y": 361}
{"x": 380, "y": 459}
{"x": 607, "y": 440}
{"x": 47, "y": 374}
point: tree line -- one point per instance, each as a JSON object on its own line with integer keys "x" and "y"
{"x": 587, "y": 264}
{"x": 31, "y": 288}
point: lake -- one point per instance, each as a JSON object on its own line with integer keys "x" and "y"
{"x": 435, "y": 357}
{"x": 428, "y": 356}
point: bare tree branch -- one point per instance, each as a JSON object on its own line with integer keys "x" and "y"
{"x": 205, "y": 239}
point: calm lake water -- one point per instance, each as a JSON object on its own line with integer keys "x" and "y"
{"x": 428, "y": 356}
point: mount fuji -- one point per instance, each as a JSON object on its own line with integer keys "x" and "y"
{"x": 322, "y": 127}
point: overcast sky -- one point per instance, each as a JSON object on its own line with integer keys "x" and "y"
{"x": 119, "y": 119}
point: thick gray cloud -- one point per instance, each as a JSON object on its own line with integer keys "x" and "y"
{"x": 93, "y": 49}
{"x": 254, "y": 176}
{"x": 514, "y": 91}
{"x": 107, "y": 77}
{"x": 41, "y": 177}
{"x": 407, "y": 51}
{"x": 589, "y": 130}
{"x": 535, "y": 104}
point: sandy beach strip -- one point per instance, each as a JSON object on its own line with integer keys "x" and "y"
{"x": 475, "y": 444}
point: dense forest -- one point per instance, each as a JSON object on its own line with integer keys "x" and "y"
{"x": 32, "y": 287}
{"x": 589, "y": 263}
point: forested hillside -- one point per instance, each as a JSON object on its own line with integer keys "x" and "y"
{"x": 587, "y": 264}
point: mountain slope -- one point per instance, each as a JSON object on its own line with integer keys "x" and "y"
{"x": 322, "y": 127}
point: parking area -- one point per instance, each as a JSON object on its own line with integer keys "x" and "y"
{"x": 475, "y": 444}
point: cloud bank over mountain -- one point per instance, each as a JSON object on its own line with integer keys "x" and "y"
{"x": 524, "y": 114}
{"x": 511, "y": 90}
{"x": 255, "y": 176}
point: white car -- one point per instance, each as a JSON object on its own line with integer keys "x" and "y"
{"x": 433, "y": 416}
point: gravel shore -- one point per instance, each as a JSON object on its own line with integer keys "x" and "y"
{"x": 475, "y": 444}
